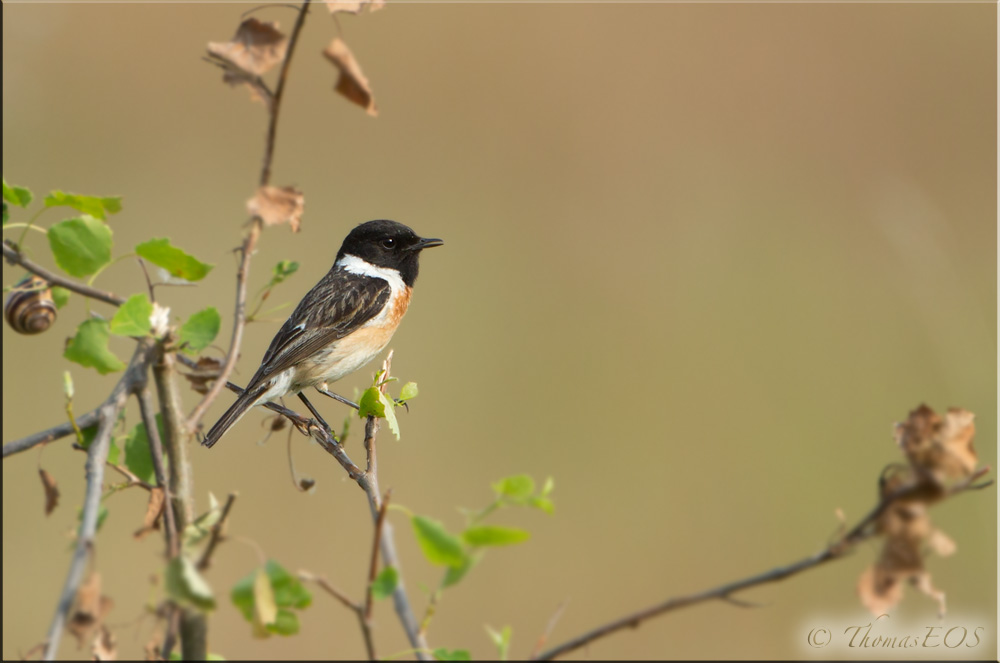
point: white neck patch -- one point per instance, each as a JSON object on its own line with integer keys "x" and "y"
{"x": 356, "y": 265}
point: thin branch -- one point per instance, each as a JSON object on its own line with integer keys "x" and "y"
{"x": 216, "y": 537}
{"x": 97, "y": 454}
{"x": 373, "y": 566}
{"x": 62, "y": 430}
{"x": 549, "y": 627}
{"x": 147, "y": 411}
{"x": 15, "y": 257}
{"x": 306, "y": 576}
{"x": 860, "y": 532}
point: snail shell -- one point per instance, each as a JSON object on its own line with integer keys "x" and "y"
{"x": 30, "y": 309}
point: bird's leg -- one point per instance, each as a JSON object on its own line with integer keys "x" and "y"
{"x": 319, "y": 418}
{"x": 338, "y": 397}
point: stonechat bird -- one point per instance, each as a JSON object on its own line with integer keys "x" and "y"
{"x": 342, "y": 323}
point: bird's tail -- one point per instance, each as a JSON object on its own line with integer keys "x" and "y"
{"x": 235, "y": 412}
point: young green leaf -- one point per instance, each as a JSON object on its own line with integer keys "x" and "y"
{"x": 200, "y": 329}
{"x": 371, "y": 404}
{"x": 542, "y": 504}
{"x": 186, "y": 585}
{"x": 89, "y": 433}
{"x": 455, "y": 573}
{"x": 515, "y": 488}
{"x": 283, "y": 270}
{"x": 60, "y": 296}
{"x": 390, "y": 414}
{"x": 385, "y": 583}
{"x": 442, "y": 654}
{"x": 160, "y": 252}
{"x": 90, "y": 347}
{"x": 138, "y": 459}
{"x": 68, "y": 385}
{"x": 81, "y": 246}
{"x": 93, "y": 205}
{"x": 288, "y": 593}
{"x": 547, "y": 487}
{"x": 16, "y": 195}
{"x": 132, "y": 317}
{"x": 408, "y": 391}
{"x": 501, "y": 640}
{"x": 493, "y": 535}
{"x": 438, "y": 545}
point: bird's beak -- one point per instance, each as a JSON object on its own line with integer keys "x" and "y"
{"x": 427, "y": 243}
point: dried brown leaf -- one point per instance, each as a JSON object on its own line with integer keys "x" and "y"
{"x": 255, "y": 48}
{"x": 89, "y": 608}
{"x": 154, "y": 511}
{"x": 939, "y": 447}
{"x": 352, "y": 82}
{"x": 941, "y": 543}
{"x": 207, "y": 370}
{"x": 878, "y": 592}
{"x": 105, "y": 646}
{"x": 306, "y": 484}
{"x": 51, "y": 491}
{"x": 353, "y": 6}
{"x": 277, "y": 205}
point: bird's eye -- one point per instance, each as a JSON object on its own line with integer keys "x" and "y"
{"x": 389, "y": 243}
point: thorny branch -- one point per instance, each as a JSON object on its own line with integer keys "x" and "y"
{"x": 860, "y": 532}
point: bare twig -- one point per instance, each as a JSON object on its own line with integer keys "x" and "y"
{"x": 51, "y": 434}
{"x": 373, "y": 567}
{"x": 860, "y": 532}
{"x": 549, "y": 627}
{"x": 15, "y": 257}
{"x": 146, "y": 409}
{"x": 306, "y": 576}
{"x": 216, "y": 537}
{"x": 250, "y": 241}
{"x": 97, "y": 455}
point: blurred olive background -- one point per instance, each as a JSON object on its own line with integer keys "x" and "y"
{"x": 698, "y": 260}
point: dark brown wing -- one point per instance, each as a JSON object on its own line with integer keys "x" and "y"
{"x": 336, "y": 306}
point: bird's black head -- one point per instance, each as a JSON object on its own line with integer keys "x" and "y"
{"x": 387, "y": 244}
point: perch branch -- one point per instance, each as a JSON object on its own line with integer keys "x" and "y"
{"x": 51, "y": 434}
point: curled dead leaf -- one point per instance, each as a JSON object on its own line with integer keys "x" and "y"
{"x": 354, "y": 6}
{"x": 939, "y": 446}
{"x": 90, "y": 608}
{"x": 206, "y": 371}
{"x": 105, "y": 646}
{"x": 352, "y": 83}
{"x": 154, "y": 511}
{"x": 51, "y": 491}
{"x": 254, "y": 50}
{"x": 277, "y": 205}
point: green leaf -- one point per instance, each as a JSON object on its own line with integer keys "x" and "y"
{"x": 455, "y": 573}
{"x": 516, "y": 488}
{"x": 408, "y": 391}
{"x": 138, "y": 458}
{"x": 542, "y": 503}
{"x": 288, "y": 593}
{"x": 6, "y": 214}
{"x": 371, "y": 404}
{"x": 390, "y": 414}
{"x": 60, "y": 296}
{"x": 90, "y": 347}
{"x": 132, "y": 317}
{"x": 201, "y": 528}
{"x": 385, "y": 583}
{"x": 186, "y": 585}
{"x": 68, "y": 385}
{"x": 438, "y": 545}
{"x": 89, "y": 433}
{"x": 283, "y": 270}
{"x": 501, "y": 640}
{"x": 200, "y": 329}
{"x": 181, "y": 265}
{"x": 93, "y": 205}
{"x": 547, "y": 488}
{"x": 81, "y": 246}
{"x": 442, "y": 654}
{"x": 16, "y": 195}
{"x": 493, "y": 535}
